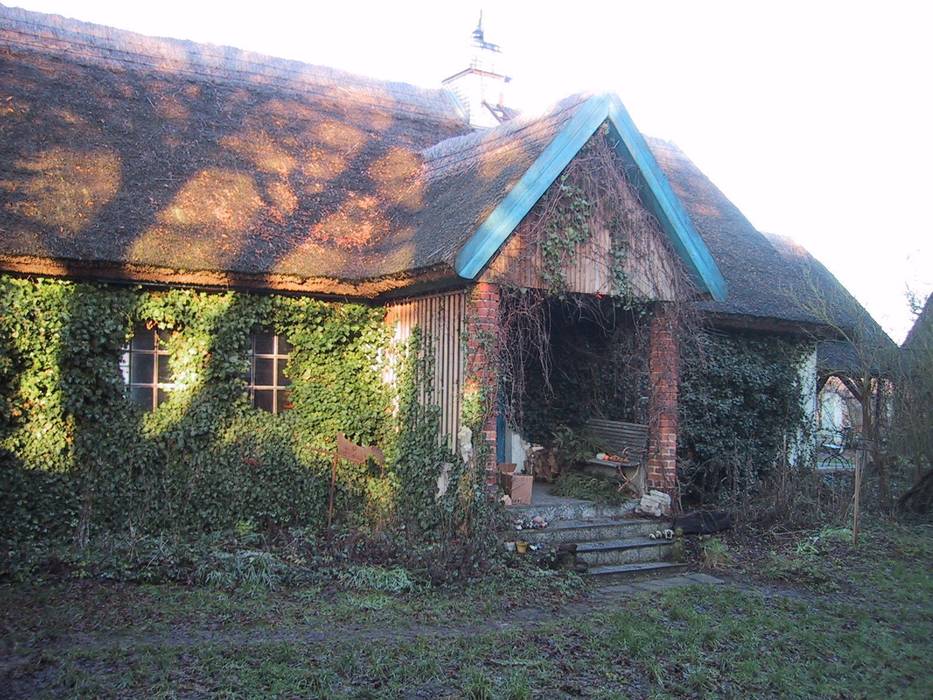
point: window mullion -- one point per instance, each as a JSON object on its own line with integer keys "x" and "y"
{"x": 275, "y": 376}
{"x": 155, "y": 368}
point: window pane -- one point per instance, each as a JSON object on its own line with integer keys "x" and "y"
{"x": 165, "y": 372}
{"x": 283, "y": 401}
{"x": 162, "y": 397}
{"x": 281, "y": 379}
{"x": 163, "y": 336}
{"x": 142, "y": 338}
{"x": 142, "y": 395}
{"x": 264, "y": 343}
{"x": 125, "y": 366}
{"x": 284, "y": 346}
{"x": 263, "y": 373}
{"x": 141, "y": 368}
{"x": 263, "y": 398}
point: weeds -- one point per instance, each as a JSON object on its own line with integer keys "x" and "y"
{"x": 715, "y": 553}
{"x": 249, "y": 569}
{"x": 478, "y": 686}
{"x": 798, "y": 570}
{"x": 518, "y": 687}
{"x": 375, "y": 578}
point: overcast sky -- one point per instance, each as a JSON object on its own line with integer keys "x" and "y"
{"x": 816, "y": 119}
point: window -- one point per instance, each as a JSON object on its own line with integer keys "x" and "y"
{"x": 145, "y": 366}
{"x": 268, "y": 385}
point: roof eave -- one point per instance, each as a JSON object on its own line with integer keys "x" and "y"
{"x": 434, "y": 276}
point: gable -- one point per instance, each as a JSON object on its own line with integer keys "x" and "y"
{"x": 590, "y": 233}
{"x": 642, "y": 170}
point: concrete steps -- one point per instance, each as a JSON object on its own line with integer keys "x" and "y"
{"x": 572, "y": 509}
{"x": 612, "y": 543}
{"x": 624, "y": 551}
{"x": 560, "y": 531}
{"x": 627, "y": 572}
{"x": 612, "y": 549}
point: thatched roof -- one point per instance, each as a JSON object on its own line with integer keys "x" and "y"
{"x": 769, "y": 276}
{"x": 166, "y": 157}
{"x": 128, "y": 157}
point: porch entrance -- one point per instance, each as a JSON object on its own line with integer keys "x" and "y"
{"x": 575, "y": 392}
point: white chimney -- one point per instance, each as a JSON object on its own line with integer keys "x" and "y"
{"x": 480, "y": 87}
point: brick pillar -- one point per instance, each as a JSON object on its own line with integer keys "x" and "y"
{"x": 664, "y": 372}
{"x": 482, "y": 321}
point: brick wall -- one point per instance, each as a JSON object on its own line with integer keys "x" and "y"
{"x": 482, "y": 319}
{"x": 664, "y": 371}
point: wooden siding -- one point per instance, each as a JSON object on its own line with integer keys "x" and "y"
{"x": 441, "y": 318}
{"x": 649, "y": 266}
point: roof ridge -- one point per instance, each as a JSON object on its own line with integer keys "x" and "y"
{"x": 109, "y": 47}
{"x": 498, "y": 136}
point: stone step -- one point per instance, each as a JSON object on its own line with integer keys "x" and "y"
{"x": 590, "y": 530}
{"x": 572, "y": 509}
{"x": 628, "y": 572}
{"x": 624, "y": 551}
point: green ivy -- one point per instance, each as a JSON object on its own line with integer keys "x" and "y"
{"x": 424, "y": 457}
{"x": 740, "y": 398}
{"x": 77, "y": 454}
{"x": 566, "y": 229}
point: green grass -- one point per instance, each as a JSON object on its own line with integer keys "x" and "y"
{"x": 868, "y": 635}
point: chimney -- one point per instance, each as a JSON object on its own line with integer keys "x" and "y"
{"x": 480, "y": 87}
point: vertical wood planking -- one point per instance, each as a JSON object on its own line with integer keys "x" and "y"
{"x": 440, "y": 318}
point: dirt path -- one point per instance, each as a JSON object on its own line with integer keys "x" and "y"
{"x": 523, "y": 618}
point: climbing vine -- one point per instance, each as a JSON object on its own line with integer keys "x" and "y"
{"x": 741, "y": 408}
{"x": 76, "y": 455}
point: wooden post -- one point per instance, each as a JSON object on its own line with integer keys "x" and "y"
{"x": 333, "y": 485}
{"x": 856, "y": 496}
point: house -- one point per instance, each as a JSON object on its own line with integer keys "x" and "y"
{"x": 152, "y": 164}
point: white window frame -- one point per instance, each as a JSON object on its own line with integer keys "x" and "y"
{"x": 155, "y": 387}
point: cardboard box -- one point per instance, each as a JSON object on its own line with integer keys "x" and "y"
{"x": 520, "y": 491}
{"x": 518, "y": 486}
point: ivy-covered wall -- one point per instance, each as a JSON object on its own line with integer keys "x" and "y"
{"x": 77, "y": 454}
{"x": 740, "y": 398}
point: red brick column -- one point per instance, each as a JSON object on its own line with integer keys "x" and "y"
{"x": 664, "y": 372}
{"x": 482, "y": 326}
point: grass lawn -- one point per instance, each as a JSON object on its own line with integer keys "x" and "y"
{"x": 807, "y": 617}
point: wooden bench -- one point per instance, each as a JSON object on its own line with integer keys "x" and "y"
{"x": 628, "y": 440}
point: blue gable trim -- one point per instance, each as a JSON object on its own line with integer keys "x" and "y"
{"x": 487, "y": 240}
{"x": 657, "y": 195}
{"x": 653, "y": 186}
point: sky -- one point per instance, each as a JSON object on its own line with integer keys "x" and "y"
{"x": 815, "y": 118}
